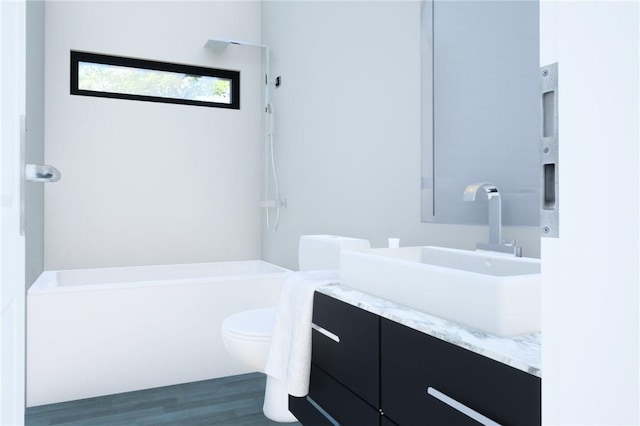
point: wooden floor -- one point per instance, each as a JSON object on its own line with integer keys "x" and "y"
{"x": 232, "y": 401}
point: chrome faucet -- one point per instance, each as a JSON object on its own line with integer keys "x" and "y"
{"x": 495, "y": 219}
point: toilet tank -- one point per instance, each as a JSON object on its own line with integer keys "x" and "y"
{"x": 323, "y": 251}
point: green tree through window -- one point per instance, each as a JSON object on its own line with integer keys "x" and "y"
{"x": 108, "y": 76}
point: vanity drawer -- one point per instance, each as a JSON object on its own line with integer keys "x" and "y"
{"x": 386, "y": 422}
{"x": 345, "y": 345}
{"x": 420, "y": 373}
{"x": 339, "y": 402}
{"x": 307, "y": 413}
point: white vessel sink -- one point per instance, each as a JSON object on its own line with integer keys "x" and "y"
{"x": 494, "y": 293}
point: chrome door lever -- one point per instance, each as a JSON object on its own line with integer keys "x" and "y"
{"x": 41, "y": 173}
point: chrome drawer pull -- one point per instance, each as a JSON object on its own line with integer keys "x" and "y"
{"x": 323, "y": 411}
{"x": 461, "y": 407}
{"x": 326, "y": 333}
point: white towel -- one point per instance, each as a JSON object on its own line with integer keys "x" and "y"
{"x": 290, "y": 352}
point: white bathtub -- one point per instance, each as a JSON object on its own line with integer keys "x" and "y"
{"x": 96, "y": 332}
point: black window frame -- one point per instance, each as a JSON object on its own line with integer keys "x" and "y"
{"x": 97, "y": 58}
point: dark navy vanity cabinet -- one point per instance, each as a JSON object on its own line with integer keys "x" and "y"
{"x": 354, "y": 360}
{"x": 345, "y": 380}
{"x": 420, "y": 372}
{"x": 368, "y": 370}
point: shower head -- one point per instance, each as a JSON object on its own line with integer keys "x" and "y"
{"x": 219, "y": 44}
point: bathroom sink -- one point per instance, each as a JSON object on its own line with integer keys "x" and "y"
{"x": 494, "y": 293}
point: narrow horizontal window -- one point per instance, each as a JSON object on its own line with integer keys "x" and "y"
{"x": 107, "y": 76}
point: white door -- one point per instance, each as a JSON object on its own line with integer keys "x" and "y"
{"x": 12, "y": 257}
{"x": 590, "y": 274}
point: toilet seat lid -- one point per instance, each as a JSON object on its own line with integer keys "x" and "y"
{"x": 254, "y": 323}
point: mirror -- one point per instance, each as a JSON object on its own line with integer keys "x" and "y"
{"x": 481, "y": 109}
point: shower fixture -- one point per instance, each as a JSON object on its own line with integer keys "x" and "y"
{"x": 219, "y": 45}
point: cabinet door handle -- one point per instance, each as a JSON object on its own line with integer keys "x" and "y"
{"x": 458, "y": 406}
{"x": 326, "y": 333}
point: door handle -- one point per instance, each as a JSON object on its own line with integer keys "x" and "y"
{"x": 41, "y": 173}
{"x": 31, "y": 173}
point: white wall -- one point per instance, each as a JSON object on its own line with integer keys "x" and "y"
{"x": 591, "y": 297}
{"x": 151, "y": 183}
{"x": 347, "y": 127}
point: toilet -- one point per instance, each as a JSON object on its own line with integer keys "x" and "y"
{"x": 247, "y": 334}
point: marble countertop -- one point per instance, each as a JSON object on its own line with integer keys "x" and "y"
{"x": 521, "y": 352}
